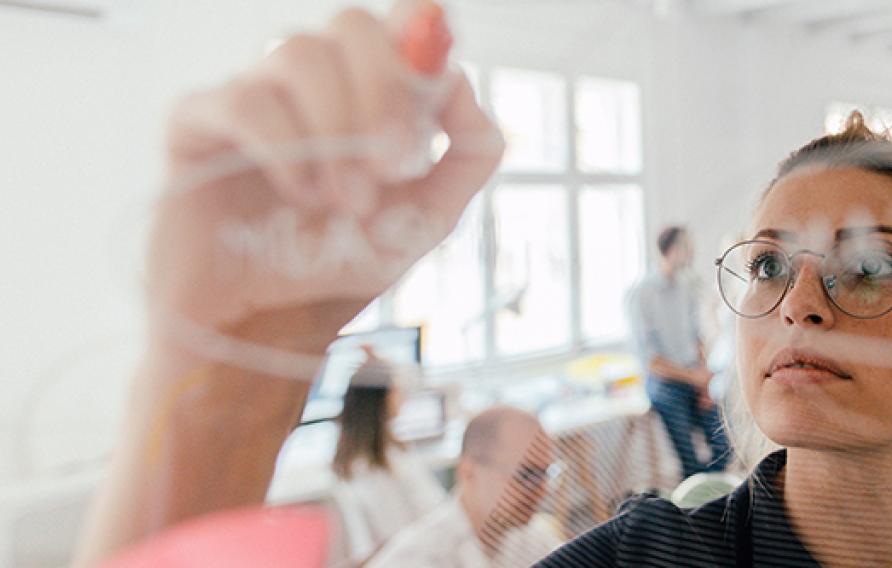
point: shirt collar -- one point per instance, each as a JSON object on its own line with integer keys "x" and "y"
{"x": 772, "y": 529}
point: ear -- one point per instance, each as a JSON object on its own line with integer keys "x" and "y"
{"x": 464, "y": 471}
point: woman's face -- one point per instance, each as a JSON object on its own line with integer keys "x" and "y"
{"x": 813, "y": 376}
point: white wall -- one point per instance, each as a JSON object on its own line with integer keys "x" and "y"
{"x": 82, "y": 109}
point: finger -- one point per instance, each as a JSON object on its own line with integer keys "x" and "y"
{"x": 423, "y": 35}
{"x": 403, "y": 12}
{"x": 389, "y": 100}
{"x": 475, "y": 151}
{"x": 316, "y": 80}
{"x": 249, "y": 117}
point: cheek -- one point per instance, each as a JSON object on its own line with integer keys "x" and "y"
{"x": 488, "y": 494}
{"x": 750, "y": 346}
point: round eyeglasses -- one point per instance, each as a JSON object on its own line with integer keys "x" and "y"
{"x": 755, "y": 276}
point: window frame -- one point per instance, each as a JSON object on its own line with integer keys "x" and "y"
{"x": 573, "y": 181}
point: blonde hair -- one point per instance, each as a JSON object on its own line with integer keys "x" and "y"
{"x": 856, "y": 146}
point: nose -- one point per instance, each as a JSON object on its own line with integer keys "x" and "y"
{"x": 806, "y": 304}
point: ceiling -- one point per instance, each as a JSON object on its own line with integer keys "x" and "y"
{"x": 88, "y": 9}
{"x": 865, "y": 23}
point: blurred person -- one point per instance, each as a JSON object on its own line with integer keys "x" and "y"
{"x": 501, "y": 477}
{"x": 664, "y": 318}
{"x": 382, "y": 486}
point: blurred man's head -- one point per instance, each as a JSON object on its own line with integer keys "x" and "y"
{"x": 503, "y": 469}
{"x": 675, "y": 249}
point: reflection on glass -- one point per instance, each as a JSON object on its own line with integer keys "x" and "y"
{"x": 531, "y": 301}
{"x": 611, "y": 256}
{"x": 608, "y": 126}
{"x": 531, "y": 109}
{"x": 443, "y": 293}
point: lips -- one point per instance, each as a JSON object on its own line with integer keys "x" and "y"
{"x": 805, "y": 362}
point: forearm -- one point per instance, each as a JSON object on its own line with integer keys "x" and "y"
{"x": 202, "y": 436}
{"x": 666, "y": 369}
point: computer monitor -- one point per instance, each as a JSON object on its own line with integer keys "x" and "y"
{"x": 422, "y": 417}
{"x": 397, "y": 345}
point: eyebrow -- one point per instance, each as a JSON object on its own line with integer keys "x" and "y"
{"x": 775, "y": 234}
{"x": 841, "y": 234}
{"x": 860, "y": 231}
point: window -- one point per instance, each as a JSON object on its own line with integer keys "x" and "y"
{"x": 608, "y": 126}
{"x": 611, "y": 236}
{"x": 531, "y": 110}
{"x": 444, "y": 294}
{"x": 541, "y": 261}
{"x": 531, "y": 300}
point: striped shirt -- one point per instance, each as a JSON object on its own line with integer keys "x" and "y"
{"x": 749, "y": 527}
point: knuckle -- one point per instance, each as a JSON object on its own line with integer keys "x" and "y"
{"x": 244, "y": 96}
{"x": 304, "y": 48}
{"x": 353, "y": 20}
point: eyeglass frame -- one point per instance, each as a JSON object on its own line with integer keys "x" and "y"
{"x": 791, "y": 279}
{"x": 544, "y": 475}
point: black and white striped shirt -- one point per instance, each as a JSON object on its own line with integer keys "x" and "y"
{"x": 749, "y": 527}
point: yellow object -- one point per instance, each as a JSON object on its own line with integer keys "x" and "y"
{"x": 603, "y": 369}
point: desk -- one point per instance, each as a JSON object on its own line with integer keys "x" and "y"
{"x": 609, "y": 447}
{"x": 624, "y": 450}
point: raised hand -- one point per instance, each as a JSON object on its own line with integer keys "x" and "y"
{"x": 288, "y": 184}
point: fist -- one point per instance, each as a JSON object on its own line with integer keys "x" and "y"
{"x": 286, "y": 185}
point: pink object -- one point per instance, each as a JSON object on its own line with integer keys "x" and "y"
{"x": 269, "y": 537}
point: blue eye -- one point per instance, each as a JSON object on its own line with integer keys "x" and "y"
{"x": 767, "y": 266}
{"x": 871, "y": 266}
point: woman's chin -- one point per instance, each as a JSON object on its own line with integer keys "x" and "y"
{"x": 798, "y": 427}
{"x": 818, "y": 431}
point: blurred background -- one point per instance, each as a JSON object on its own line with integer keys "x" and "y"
{"x": 621, "y": 117}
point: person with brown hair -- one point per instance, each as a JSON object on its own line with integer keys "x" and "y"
{"x": 813, "y": 291}
{"x": 382, "y": 487}
{"x": 664, "y": 313}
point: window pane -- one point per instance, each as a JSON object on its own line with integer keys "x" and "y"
{"x": 611, "y": 256}
{"x": 532, "y": 285}
{"x": 608, "y": 126}
{"x": 443, "y": 293}
{"x": 531, "y": 110}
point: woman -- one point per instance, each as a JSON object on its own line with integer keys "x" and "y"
{"x": 813, "y": 292}
{"x": 196, "y": 442}
{"x": 381, "y": 487}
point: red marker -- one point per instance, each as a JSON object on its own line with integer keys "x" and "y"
{"x": 426, "y": 40}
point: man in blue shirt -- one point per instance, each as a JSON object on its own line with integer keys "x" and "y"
{"x": 663, "y": 313}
